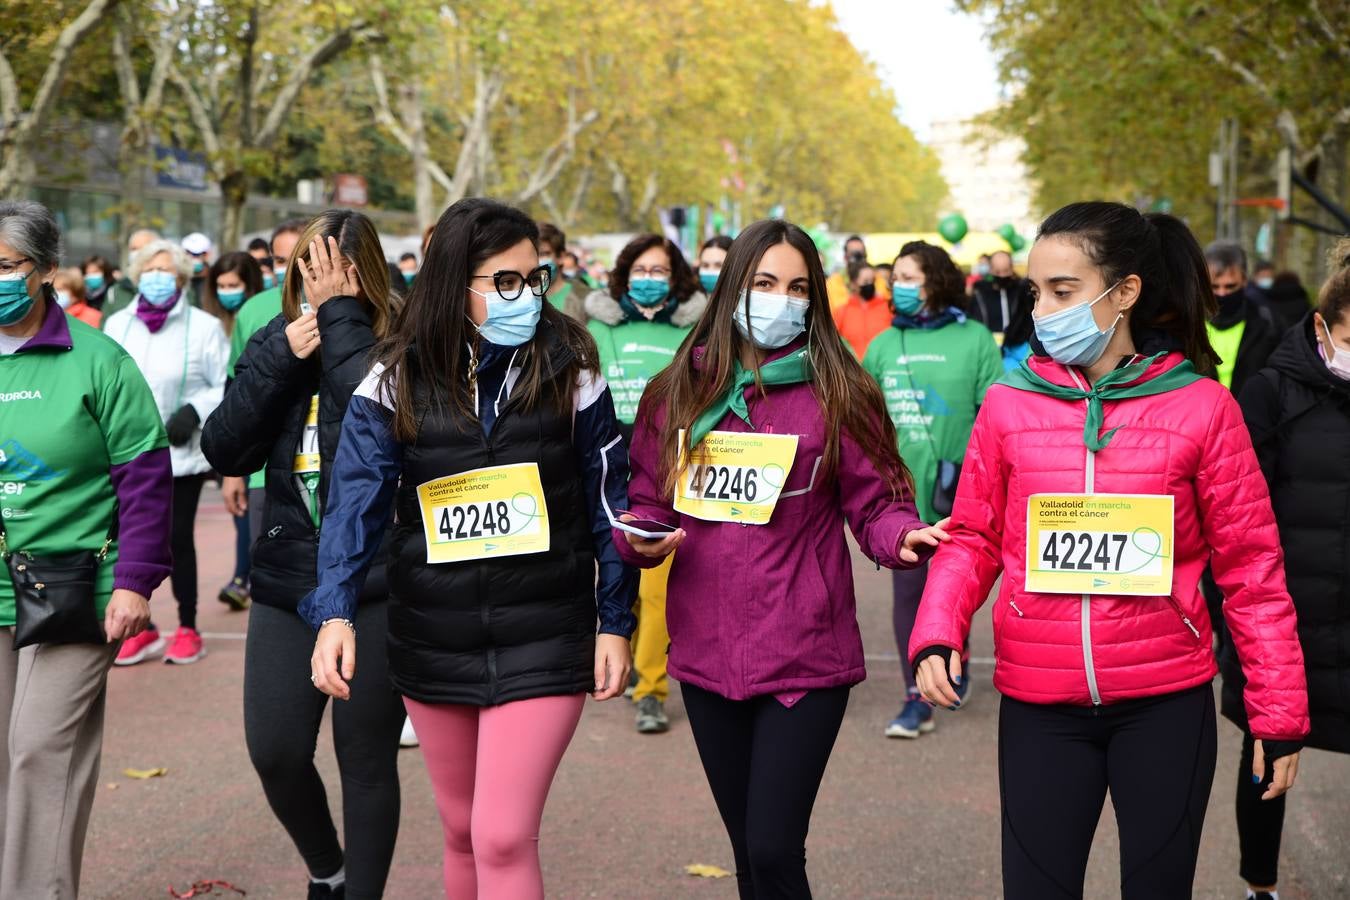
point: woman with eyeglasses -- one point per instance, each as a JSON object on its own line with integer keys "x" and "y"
{"x": 638, "y": 322}
{"x": 486, "y": 430}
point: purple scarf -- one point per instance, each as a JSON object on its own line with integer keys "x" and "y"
{"x": 154, "y": 316}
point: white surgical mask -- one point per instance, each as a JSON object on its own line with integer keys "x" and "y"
{"x": 64, "y": 299}
{"x": 1339, "y": 363}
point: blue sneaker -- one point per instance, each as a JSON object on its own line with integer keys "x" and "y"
{"x": 916, "y": 718}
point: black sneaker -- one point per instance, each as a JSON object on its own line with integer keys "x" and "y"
{"x": 236, "y": 595}
{"x": 651, "y": 716}
{"x": 320, "y": 891}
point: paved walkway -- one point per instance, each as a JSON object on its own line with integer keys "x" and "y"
{"x": 627, "y": 812}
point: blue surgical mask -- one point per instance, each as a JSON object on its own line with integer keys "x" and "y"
{"x": 708, "y": 278}
{"x": 15, "y": 303}
{"x": 1071, "y": 336}
{"x": 231, "y": 300}
{"x": 1265, "y": 284}
{"x": 93, "y": 282}
{"x": 408, "y": 278}
{"x": 158, "y": 288}
{"x": 905, "y": 297}
{"x": 510, "y": 323}
{"x": 982, "y": 269}
{"x": 648, "y": 291}
{"x": 775, "y": 319}
{"x": 197, "y": 267}
{"x": 269, "y": 282}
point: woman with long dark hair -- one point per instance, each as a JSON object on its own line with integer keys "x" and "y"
{"x": 1100, "y": 480}
{"x": 758, "y": 442}
{"x": 483, "y": 426}
{"x": 282, "y": 413}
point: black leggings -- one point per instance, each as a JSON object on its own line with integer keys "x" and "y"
{"x": 187, "y": 491}
{"x": 1260, "y": 822}
{"x": 282, "y": 714}
{"x": 1056, "y": 764}
{"x": 764, "y": 763}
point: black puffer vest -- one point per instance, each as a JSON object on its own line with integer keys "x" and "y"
{"x": 488, "y": 632}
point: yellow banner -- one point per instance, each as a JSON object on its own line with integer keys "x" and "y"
{"x": 1100, "y": 544}
{"x": 735, "y": 477}
{"x": 485, "y": 513}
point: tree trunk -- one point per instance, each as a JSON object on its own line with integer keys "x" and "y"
{"x": 417, "y": 134}
{"x": 234, "y": 194}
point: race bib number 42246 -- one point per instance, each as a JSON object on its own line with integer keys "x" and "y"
{"x": 735, "y": 476}
{"x": 485, "y": 513}
{"x": 1100, "y": 544}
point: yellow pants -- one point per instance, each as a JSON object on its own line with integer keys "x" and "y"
{"x": 651, "y": 639}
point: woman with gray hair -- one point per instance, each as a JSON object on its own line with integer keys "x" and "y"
{"x": 84, "y": 481}
{"x": 182, "y": 351}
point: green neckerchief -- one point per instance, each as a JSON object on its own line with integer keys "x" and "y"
{"x": 1114, "y": 385}
{"x": 794, "y": 368}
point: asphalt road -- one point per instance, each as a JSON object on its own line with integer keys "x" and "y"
{"x": 629, "y": 812}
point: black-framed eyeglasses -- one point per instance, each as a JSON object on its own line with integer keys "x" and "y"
{"x": 10, "y": 266}
{"x": 512, "y": 284}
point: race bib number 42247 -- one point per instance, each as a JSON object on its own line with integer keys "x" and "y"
{"x": 485, "y": 513}
{"x": 1100, "y": 544}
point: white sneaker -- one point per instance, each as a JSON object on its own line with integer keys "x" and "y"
{"x": 409, "y": 737}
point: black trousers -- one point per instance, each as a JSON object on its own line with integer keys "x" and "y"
{"x": 764, "y": 763}
{"x": 187, "y": 492}
{"x": 282, "y": 714}
{"x": 1056, "y": 763}
{"x": 1260, "y": 822}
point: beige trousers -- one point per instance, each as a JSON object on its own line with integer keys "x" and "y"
{"x": 52, "y": 697}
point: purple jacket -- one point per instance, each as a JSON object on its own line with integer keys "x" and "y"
{"x": 769, "y": 609}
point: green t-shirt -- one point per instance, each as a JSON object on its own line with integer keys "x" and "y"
{"x": 631, "y": 354}
{"x": 1226, "y": 342}
{"x": 253, "y": 316}
{"x": 934, "y": 381}
{"x": 67, "y": 417}
{"x": 559, "y": 300}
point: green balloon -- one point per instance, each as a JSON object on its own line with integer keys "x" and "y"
{"x": 1007, "y": 232}
{"x": 953, "y": 228}
{"x": 1017, "y": 242}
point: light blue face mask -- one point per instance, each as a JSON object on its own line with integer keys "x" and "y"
{"x": 15, "y": 302}
{"x": 269, "y": 282}
{"x": 158, "y": 288}
{"x": 708, "y": 280}
{"x": 905, "y": 297}
{"x": 231, "y": 300}
{"x": 1071, "y": 336}
{"x": 510, "y": 323}
{"x": 775, "y": 319}
{"x": 648, "y": 291}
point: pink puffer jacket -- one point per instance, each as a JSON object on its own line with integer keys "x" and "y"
{"x": 1055, "y": 648}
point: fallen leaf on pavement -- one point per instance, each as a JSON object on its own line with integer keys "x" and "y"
{"x": 702, "y": 871}
{"x": 145, "y": 773}
{"x": 112, "y": 786}
{"x": 204, "y": 887}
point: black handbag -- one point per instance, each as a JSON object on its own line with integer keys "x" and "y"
{"x": 54, "y": 595}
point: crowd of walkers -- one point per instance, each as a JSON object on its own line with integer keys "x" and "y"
{"x": 501, "y": 486}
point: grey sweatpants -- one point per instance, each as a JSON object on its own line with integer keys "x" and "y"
{"x": 52, "y": 697}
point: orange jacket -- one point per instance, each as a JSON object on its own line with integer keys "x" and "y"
{"x": 859, "y": 321}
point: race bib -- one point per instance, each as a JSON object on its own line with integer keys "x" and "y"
{"x": 735, "y": 477}
{"x": 484, "y": 514}
{"x": 1100, "y": 544}
{"x": 307, "y": 454}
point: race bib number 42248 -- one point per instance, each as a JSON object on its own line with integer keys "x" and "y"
{"x": 485, "y": 513}
{"x": 1100, "y": 544}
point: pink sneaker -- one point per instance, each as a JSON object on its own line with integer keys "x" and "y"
{"x": 186, "y": 647}
{"x": 140, "y": 648}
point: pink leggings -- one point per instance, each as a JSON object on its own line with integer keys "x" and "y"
{"x": 491, "y": 768}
